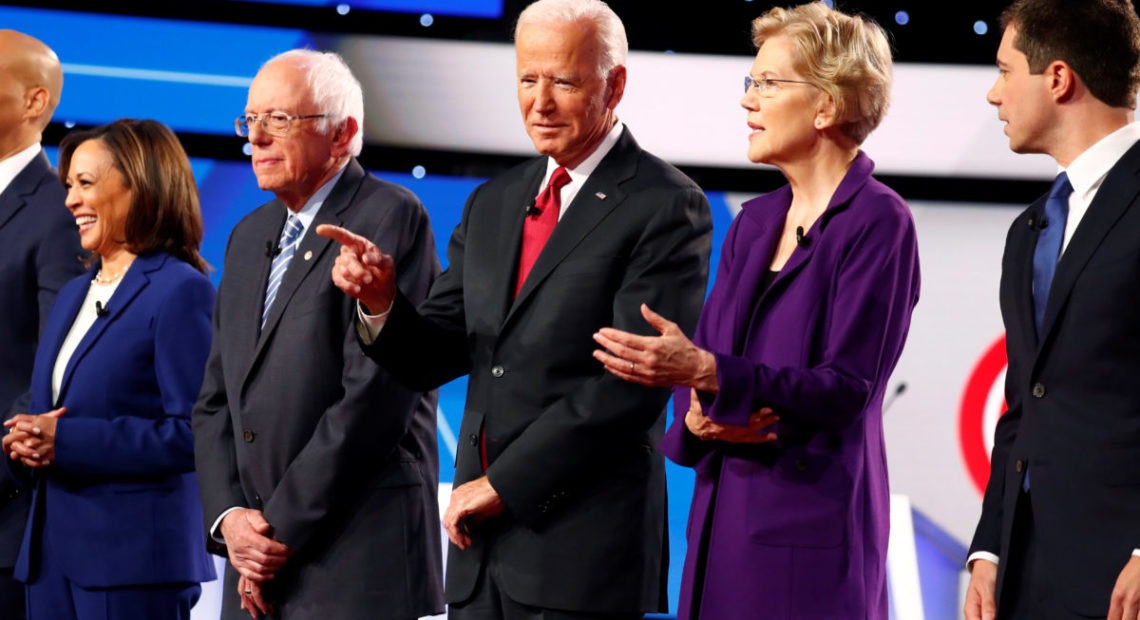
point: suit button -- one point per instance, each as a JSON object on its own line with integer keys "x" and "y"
{"x": 247, "y": 435}
{"x": 257, "y": 498}
{"x": 1019, "y": 465}
{"x": 1038, "y": 390}
{"x": 497, "y": 372}
{"x": 474, "y": 439}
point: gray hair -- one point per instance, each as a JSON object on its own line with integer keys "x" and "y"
{"x": 610, "y": 30}
{"x": 334, "y": 89}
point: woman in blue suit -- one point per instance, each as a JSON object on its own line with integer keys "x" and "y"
{"x": 115, "y": 530}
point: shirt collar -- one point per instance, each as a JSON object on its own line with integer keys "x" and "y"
{"x": 308, "y": 213}
{"x": 1088, "y": 170}
{"x": 579, "y": 173}
{"x": 12, "y": 166}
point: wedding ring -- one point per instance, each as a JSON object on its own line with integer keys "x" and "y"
{"x": 631, "y": 366}
{"x": 249, "y": 591}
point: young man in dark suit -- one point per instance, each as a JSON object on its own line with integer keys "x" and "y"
{"x": 559, "y": 505}
{"x": 1059, "y": 533}
{"x": 40, "y": 253}
{"x": 318, "y": 470}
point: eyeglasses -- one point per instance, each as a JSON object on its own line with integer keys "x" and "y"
{"x": 767, "y": 86}
{"x": 276, "y": 123}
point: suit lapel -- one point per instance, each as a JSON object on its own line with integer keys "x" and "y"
{"x": 312, "y": 247}
{"x": 136, "y": 279}
{"x": 599, "y": 196}
{"x": 1115, "y": 196}
{"x": 517, "y": 195}
{"x": 67, "y": 304}
{"x": 24, "y": 184}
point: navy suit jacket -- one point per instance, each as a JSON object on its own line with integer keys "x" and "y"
{"x": 40, "y": 254}
{"x": 1074, "y": 408}
{"x": 121, "y": 500}
{"x": 570, "y": 446}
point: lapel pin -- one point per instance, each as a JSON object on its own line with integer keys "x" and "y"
{"x": 308, "y": 255}
{"x": 600, "y": 196}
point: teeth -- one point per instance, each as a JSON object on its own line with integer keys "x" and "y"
{"x": 85, "y": 219}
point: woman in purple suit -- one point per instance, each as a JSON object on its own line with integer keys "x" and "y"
{"x": 784, "y": 381}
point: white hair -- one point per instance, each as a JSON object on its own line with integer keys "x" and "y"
{"x": 333, "y": 88}
{"x": 609, "y": 29}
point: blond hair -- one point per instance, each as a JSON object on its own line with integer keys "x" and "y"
{"x": 847, "y": 57}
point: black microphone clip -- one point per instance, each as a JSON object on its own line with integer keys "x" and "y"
{"x": 271, "y": 250}
{"x": 532, "y": 210}
{"x": 801, "y": 240}
{"x": 100, "y": 310}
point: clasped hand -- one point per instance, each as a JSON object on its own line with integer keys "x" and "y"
{"x": 706, "y": 430}
{"x": 31, "y": 438}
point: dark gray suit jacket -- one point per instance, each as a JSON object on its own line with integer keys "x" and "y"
{"x": 297, "y": 422}
{"x": 39, "y": 253}
{"x": 571, "y": 447}
{"x": 1074, "y": 405}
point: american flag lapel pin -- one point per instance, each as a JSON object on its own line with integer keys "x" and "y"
{"x": 600, "y": 196}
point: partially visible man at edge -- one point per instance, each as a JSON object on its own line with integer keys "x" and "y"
{"x": 1059, "y": 533}
{"x": 40, "y": 254}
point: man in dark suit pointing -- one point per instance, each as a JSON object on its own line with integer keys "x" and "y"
{"x": 40, "y": 253}
{"x": 317, "y": 470}
{"x": 559, "y": 505}
{"x": 1059, "y": 533}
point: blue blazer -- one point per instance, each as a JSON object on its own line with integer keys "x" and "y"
{"x": 120, "y": 502}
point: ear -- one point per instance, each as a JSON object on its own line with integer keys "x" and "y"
{"x": 1062, "y": 80}
{"x": 36, "y": 102}
{"x": 825, "y": 112}
{"x": 615, "y": 86}
{"x": 343, "y": 135}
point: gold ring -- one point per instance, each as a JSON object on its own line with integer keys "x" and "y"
{"x": 249, "y": 591}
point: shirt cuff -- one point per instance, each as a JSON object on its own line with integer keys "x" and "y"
{"x": 368, "y": 326}
{"x": 983, "y": 555}
{"x": 1136, "y": 552}
{"x": 215, "y": 529}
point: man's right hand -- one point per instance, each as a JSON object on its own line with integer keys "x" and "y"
{"x": 980, "y": 601}
{"x": 362, "y": 271}
{"x": 253, "y": 552}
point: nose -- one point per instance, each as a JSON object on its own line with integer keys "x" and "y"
{"x": 750, "y": 100}
{"x": 992, "y": 96}
{"x": 257, "y": 134}
{"x": 544, "y": 97}
{"x": 71, "y": 201}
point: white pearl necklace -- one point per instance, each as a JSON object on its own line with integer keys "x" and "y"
{"x": 99, "y": 279}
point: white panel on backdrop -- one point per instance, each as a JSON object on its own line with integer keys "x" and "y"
{"x": 956, "y": 321}
{"x": 685, "y": 108}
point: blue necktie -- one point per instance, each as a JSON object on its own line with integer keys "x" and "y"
{"x": 286, "y": 247}
{"x": 1049, "y": 241}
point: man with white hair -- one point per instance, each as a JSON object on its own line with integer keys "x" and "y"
{"x": 318, "y": 471}
{"x": 559, "y": 505}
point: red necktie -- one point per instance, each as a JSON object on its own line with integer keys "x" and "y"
{"x": 538, "y": 228}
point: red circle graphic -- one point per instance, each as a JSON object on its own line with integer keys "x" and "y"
{"x": 971, "y": 413}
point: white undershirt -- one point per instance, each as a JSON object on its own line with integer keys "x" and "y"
{"x": 79, "y": 327}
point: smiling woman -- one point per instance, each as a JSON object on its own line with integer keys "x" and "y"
{"x": 106, "y": 443}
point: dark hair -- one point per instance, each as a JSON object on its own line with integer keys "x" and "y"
{"x": 164, "y": 214}
{"x": 1099, "y": 39}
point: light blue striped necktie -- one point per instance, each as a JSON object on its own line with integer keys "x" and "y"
{"x": 290, "y": 237}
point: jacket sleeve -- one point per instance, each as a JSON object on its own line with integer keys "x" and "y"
{"x": 876, "y": 288}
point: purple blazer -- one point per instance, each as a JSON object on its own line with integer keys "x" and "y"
{"x": 797, "y": 529}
